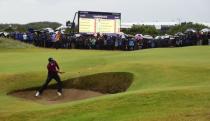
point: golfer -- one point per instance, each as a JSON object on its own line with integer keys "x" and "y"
{"x": 53, "y": 70}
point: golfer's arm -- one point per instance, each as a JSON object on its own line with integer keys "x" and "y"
{"x": 57, "y": 66}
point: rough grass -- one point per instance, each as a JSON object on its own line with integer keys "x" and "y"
{"x": 168, "y": 85}
{"x": 13, "y": 44}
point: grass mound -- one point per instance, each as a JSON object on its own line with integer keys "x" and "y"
{"x": 112, "y": 82}
{"x": 13, "y": 44}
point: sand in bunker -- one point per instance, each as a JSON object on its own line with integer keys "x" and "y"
{"x": 50, "y": 96}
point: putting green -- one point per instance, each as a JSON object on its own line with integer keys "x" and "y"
{"x": 170, "y": 84}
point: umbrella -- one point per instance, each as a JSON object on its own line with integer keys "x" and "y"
{"x": 139, "y": 37}
{"x": 158, "y": 37}
{"x": 179, "y": 34}
{"x": 6, "y": 33}
{"x": 31, "y": 30}
{"x": 130, "y": 36}
{"x": 172, "y": 37}
{"x": 61, "y": 28}
{"x": 77, "y": 35}
{"x": 206, "y": 30}
{"x": 121, "y": 33}
{"x": 50, "y": 30}
{"x": 147, "y": 37}
{"x": 166, "y": 36}
{"x": 123, "y": 36}
{"x": 190, "y": 30}
{"x": 162, "y": 37}
{"x": 112, "y": 34}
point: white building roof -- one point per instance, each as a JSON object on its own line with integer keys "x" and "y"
{"x": 156, "y": 24}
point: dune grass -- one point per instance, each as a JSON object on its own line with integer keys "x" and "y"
{"x": 170, "y": 84}
{"x": 13, "y": 44}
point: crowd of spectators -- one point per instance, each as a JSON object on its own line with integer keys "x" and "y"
{"x": 110, "y": 41}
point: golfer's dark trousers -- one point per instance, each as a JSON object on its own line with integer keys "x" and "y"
{"x": 49, "y": 78}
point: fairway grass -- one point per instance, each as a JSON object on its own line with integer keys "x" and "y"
{"x": 169, "y": 84}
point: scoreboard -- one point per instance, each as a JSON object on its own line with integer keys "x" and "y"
{"x": 99, "y": 22}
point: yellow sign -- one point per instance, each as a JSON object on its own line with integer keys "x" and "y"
{"x": 98, "y": 25}
{"x": 86, "y": 25}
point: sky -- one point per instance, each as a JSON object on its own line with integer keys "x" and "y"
{"x": 25, "y": 11}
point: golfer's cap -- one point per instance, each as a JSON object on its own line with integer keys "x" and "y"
{"x": 50, "y": 59}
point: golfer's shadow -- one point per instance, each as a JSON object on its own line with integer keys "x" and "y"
{"x": 108, "y": 83}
